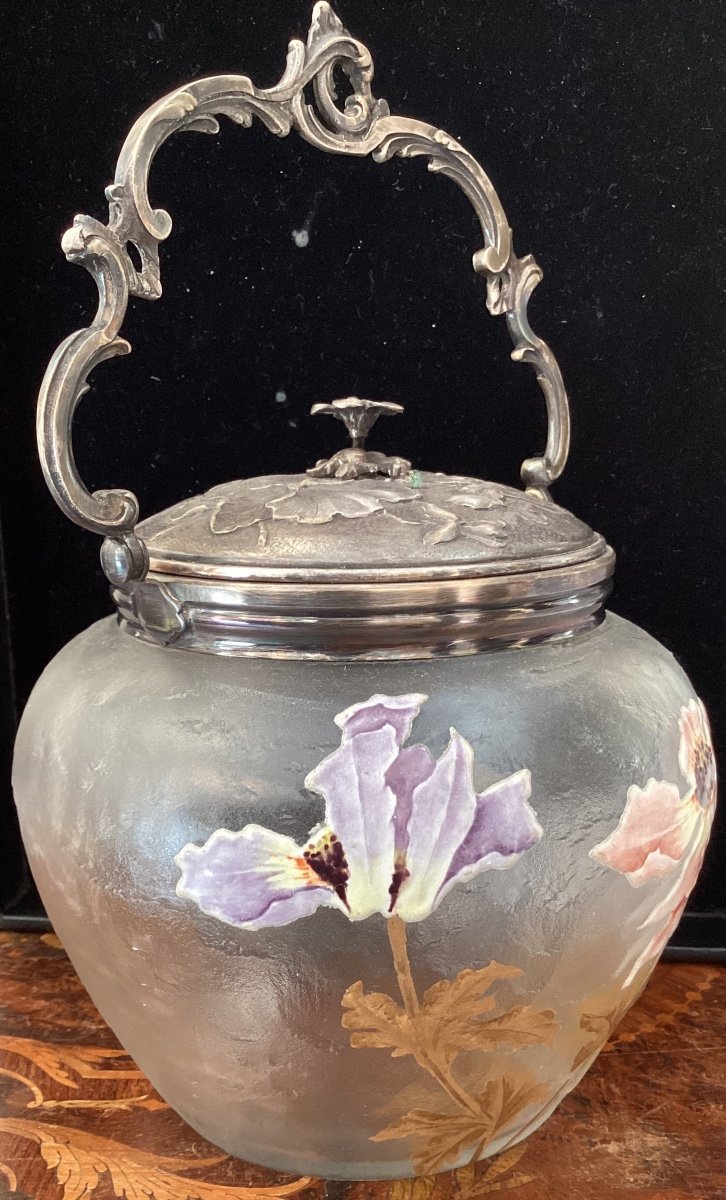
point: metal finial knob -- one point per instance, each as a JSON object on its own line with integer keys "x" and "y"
{"x": 355, "y": 462}
{"x": 359, "y": 416}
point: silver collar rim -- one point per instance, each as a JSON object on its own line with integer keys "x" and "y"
{"x": 379, "y": 620}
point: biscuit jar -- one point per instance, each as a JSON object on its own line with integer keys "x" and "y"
{"x": 362, "y": 821}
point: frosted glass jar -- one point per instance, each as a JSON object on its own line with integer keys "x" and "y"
{"x": 127, "y": 753}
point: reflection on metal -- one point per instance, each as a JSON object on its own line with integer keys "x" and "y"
{"x": 355, "y": 462}
{"x": 362, "y": 126}
{"x": 371, "y": 622}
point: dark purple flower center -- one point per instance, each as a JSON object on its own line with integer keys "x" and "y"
{"x": 703, "y": 770}
{"x": 400, "y": 875}
{"x": 326, "y": 858}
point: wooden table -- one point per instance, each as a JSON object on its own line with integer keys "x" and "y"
{"x": 78, "y": 1121}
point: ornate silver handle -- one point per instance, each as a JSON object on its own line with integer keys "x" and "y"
{"x": 363, "y": 126}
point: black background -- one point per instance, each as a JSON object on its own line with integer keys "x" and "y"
{"x": 601, "y": 123}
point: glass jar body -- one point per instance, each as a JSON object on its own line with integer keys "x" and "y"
{"x": 392, "y": 1044}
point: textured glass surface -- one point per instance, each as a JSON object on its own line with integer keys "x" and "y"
{"x": 127, "y": 753}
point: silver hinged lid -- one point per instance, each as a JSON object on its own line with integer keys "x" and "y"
{"x": 362, "y": 555}
{"x": 420, "y": 526}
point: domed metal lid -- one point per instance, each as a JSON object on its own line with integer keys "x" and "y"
{"x": 362, "y": 556}
{"x": 362, "y": 517}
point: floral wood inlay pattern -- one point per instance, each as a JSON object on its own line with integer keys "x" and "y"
{"x": 663, "y": 835}
{"x": 655, "y": 1013}
{"x": 123, "y": 1103}
{"x": 598, "y": 1144}
{"x": 97, "y": 1085}
{"x": 81, "y": 1159}
{"x": 55, "y": 1059}
{"x": 601, "y": 1018}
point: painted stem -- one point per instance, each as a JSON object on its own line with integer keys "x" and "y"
{"x": 407, "y": 988}
{"x": 480, "y": 1148}
{"x": 399, "y": 949}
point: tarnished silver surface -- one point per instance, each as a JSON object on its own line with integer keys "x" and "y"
{"x": 355, "y": 462}
{"x": 427, "y": 565}
{"x": 423, "y": 525}
{"x": 376, "y": 620}
{"x": 363, "y": 126}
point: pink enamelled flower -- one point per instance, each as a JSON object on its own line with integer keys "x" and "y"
{"x": 663, "y": 835}
{"x": 400, "y": 829}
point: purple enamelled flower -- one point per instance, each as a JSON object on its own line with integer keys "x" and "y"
{"x": 400, "y": 830}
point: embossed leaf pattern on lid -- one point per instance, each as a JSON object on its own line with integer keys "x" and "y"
{"x": 230, "y": 507}
{"x": 398, "y": 519}
{"x": 441, "y": 524}
{"x": 303, "y": 501}
{"x": 465, "y": 493}
{"x": 439, "y": 511}
{"x": 443, "y": 510}
{"x": 316, "y": 503}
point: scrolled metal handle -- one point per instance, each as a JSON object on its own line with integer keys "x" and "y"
{"x": 363, "y": 126}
